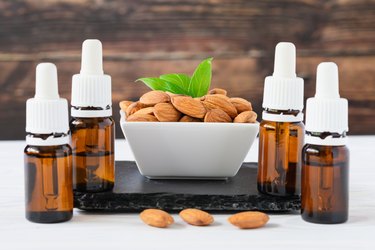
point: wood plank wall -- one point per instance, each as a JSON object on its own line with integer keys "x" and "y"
{"x": 152, "y": 37}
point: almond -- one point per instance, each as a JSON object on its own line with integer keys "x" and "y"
{"x": 145, "y": 111}
{"x": 221, "y": 96}
{"x": 241, "y": 104}
{"x": 187, "y": 118}
{"x": 246, "y": 220}
{"x": 218, "y": 91}
{"x": 189, "y": 106}
{"x": 141, "y": 118}
{"x": 124, "y": 105}
{"x": 246, "y": 117}
{"x": 156, "y": 218}
{"x": 165, "y": 112}
{"x": 153, "y": 97}
{"x": 196, "y": 217}
{"x": 217, "y": 115}
{"x": 134, "y": 107}
{"x": 217, "y": 102}
{"x": 217, "y": 95}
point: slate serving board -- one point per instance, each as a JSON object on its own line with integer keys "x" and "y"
{"x": 133, "y": 193}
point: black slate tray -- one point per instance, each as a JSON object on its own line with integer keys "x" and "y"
{"x": 133, "y": 192}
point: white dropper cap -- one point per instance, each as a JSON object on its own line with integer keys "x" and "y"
{"x": 92, "y": 57}
{"x": 285, "y": 60}
{"x": 47, "y": 113}
{"x": 283, "y": 90}
{"x": 327, "y": 81}
{"x": 327, "y": 112}
{"x": 46, "y": 82}
{"x": 91, "y": 88}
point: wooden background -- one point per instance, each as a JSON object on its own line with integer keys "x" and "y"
{"x": 149, "y": 38}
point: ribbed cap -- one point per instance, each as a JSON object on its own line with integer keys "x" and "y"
{"x": 91, "y": 91}
{"x": 284, "y": 90}
{"x": 283, "y": 93}
{"x": 91, "y": 88}
{"x": 327, "y": 112}
{"x": 47, "y": 113}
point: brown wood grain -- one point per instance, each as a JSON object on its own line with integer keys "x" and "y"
{"x": 149, "y": 38}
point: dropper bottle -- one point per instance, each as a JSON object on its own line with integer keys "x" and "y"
{"x": 325, "y": 157}
{"x": 48, "y": 156}
{"x": 281, "y": 133}
{"x": 92, "y": 126}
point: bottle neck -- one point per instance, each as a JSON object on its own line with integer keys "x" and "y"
{"x": 87, "y": 112}
{"x": 326, "y": 138}
{"x": 277, "y": 115}
{"x": 52, "y": 139}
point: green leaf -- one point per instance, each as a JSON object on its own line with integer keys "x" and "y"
{"x": 201, "y": 80}
{"x": 153, "y": 83}
{"x": 195, "y": 86}
{"x": 180, "y": 80}
{"x": 175, "y": 89}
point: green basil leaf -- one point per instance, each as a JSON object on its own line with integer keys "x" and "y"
{"x": 154, "y": 83}
{"x": 201, "y": 80}
{"x": 181, "y": 80}
{"x": 175, "y": 89}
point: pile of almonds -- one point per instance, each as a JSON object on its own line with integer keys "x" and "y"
{"x": 196, "y": 217}
{"x": 216, "y": 106}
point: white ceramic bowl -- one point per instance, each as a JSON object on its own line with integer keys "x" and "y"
{"x": 176, "y": 150}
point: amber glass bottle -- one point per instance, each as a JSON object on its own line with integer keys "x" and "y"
{"x": 325, "y": 184}
{"x": 325, "y": 158}
{"x": 281, "y": 134}
{"x": 48, "y": 183}
{"x": 92, "y": 140}
{"x": 47, "y": 156}
{"x": 92, "y": 127}
{"x": 280, "y": 144}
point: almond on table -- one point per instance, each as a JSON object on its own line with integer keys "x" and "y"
{"x": 196, "y": 217}
{"x": 156, "y": 218}
{"x": 249, "y": 220}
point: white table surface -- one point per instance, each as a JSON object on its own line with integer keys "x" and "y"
{"x": 126, "y": 231}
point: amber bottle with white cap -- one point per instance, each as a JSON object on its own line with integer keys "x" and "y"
{"x": 281, "y": 131}
{"x": 92, "y": 126}
{"x": 325, "y": 157}
{"x": 48, "y": 157}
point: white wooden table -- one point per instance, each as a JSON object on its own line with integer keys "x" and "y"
{"x": 126, "y": 231}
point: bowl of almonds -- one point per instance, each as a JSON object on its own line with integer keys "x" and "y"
{"x": 178, "y": 130}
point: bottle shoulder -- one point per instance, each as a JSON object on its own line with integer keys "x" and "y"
{"x": 57, "y": 150}
{"x": 323, "y": 150}
{"x": 87, "y": 122}
{"x": 273, "y": 124}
